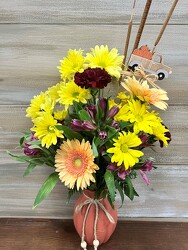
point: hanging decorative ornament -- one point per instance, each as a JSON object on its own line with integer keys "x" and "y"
{"x": 149, "y": 61}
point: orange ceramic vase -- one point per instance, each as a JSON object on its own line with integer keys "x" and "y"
{"x": 104, "y": 227}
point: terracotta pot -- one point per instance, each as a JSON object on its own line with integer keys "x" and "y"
{"x": 104, "y": 227}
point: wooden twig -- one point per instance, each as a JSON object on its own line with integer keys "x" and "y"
{"x": 128, "y": 35}
{"x": 142, "y": 23}
{"x": 165, "y": 24}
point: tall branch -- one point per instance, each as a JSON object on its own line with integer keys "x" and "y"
{"x": 165, "y": 24}
{"x": 142, "y": 23}
{"x": 128, "y": 35}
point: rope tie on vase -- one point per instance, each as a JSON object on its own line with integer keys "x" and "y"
{"x": 139, "y": 72}
{"x": 98, "y": 204}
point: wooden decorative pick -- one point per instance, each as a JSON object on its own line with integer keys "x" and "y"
{"x": 128, "y": 35}
{"x": 165, "y": 24}
{"x": 142, "y": 23}
{"x": 150, "y": 61}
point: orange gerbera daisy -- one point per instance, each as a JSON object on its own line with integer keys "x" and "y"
{"x": 144, "y": 93}
{"x": 75, "y": 163}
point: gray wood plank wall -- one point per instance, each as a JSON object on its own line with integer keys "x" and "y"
{"x": 35, "y": 35}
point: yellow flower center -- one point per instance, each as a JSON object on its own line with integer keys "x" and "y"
{"x": 77, "y": 163}
{"x": 75, "y": 94}
{"x": 124, "y": 148}
{"x": 138, "y": 118}
{"x": 51, "y": 129}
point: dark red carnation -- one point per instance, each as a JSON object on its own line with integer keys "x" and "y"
{"x": 92, "y": 78}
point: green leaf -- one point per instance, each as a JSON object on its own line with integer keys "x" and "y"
{"x": 29, "y": 169}
{"x": 111, "y": 132}
{"x": 46, "y": 188}
{"x": 129, "y": 189}
{"x": 118, "y": 187}
{"x": 21, "y": 158}
{"x": 124, "y": 124}
{"x": 45, "y": 150}
{"x": 26, "y": 133}
{"x": 109, "y": 179}
{"x": 34, "y": 146}
{"x": 59, "y": 127}
{"x": 35, "y": 142}
{"x": 77, "y": 106}
{"x": 22, "y": 141}
{"x": 135, "y": 193}
{"x": 99, "y": 114}
{"x": 70, "y": 194}
{"x": 83, "y": 115}
{"x": 94, "y": 147}
{"x": 70, "y": 134}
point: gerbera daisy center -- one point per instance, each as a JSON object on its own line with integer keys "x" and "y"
{"x": 77, "y": 162}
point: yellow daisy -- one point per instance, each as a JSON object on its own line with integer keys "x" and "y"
{"x": 137, "y": 113}
{"x": 103, "y": 58}
{"x": 123, "y": 98}
{"x": 123, "y": 152}
{"x": 52, "y": 92}
{"x": 71, "y": 64}
{"x": 40, "y": 104}
{"x": 159, "y": 133}
{"x": 60, "y": 115}
{"x": 112, "y": 103}
{"x": 72, "y": 92}
{"x": 143, "y": 120}
{"x": 46, "y": 131}
{"x": 75, "y": 164}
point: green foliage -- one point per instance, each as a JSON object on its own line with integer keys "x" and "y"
{"x": 46, "y": 188}
{"x": 111, "y": 132}
{"x": 99, "y": 114}
{"x": 71, "y": 192}
{"x": 120, "y": 190}
{"x": 84, "y": 116}
{"x": 109, "y": 179}
{"x": 94, "y": 147}
{"x": 77, "y": 106}
{"x": 129, "y": 189}
{"x": 123, "y": 125}
{"x": 70, "y": 134}
{"x": 29, "y": 169}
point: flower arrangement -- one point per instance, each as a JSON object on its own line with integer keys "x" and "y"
{"x": 92, "y": 140}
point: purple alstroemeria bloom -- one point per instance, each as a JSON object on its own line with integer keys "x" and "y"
{"x": 144, "y": 177}
{"x": 122, "y": 173}
{"x": 28, "y": 151}
{"x": 76, "y": 125}
{"x": 144, "y": 138}
{"x": 102, "y": 102}
{"x": 147, "y": 166}
{"x": 88, "y": 126}
{"x": 112, "y": 166}
{"x": 115, "y": 125}
{"x": 103, "y": 135}
{"x": 112, "y": 112}
{"x": 92, "y": 111}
